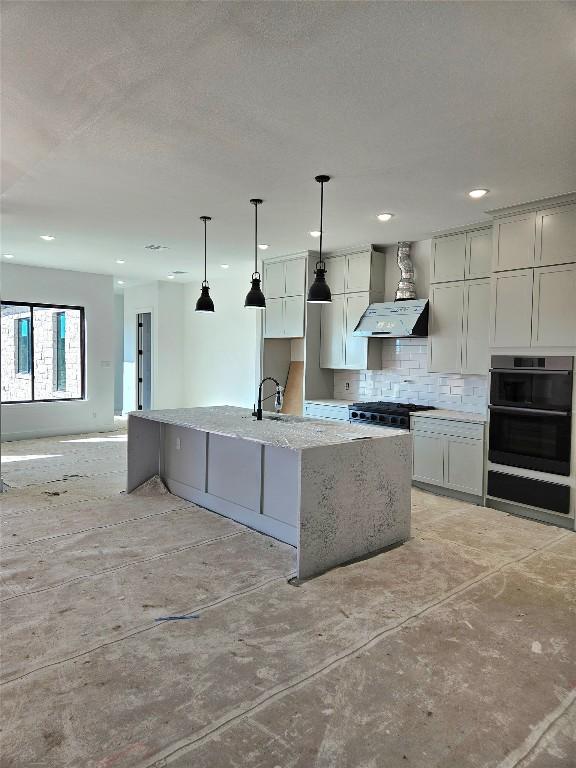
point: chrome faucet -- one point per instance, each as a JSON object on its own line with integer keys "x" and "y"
{"x": 277, "y": 403}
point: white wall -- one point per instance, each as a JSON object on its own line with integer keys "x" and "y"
{"x": 118, "y": 351}
{"x": 223, "y": 349}
{"x": 95, "y": 294}
{"x": 165, "y": 301}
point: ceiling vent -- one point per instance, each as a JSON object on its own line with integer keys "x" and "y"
{"x": 153, "y": 247}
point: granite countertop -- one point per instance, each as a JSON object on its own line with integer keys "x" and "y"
{"x": 439, "y": 413}
{"x": 282, "y": 431}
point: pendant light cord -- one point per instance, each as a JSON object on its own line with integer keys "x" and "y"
{"x": 321, "y": 219}
{"x": 205, "y": 219}
{"x": 256, "y": 202}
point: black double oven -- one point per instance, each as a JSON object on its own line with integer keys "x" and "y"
{"x": 531, "y": 419}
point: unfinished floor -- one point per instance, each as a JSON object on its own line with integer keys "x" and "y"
{"x": 455, "y": 650}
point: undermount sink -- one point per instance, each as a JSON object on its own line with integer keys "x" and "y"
{"x": 280, "y": 417}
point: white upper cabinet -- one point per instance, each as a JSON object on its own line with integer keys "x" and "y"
{"x": 554, "y": 307}
{"x": 284, "y": 285}
{"x": 463, "y": 255}
{"x": 514, "y": 242}
{"x": 475, "y": 346}
{"x": 358, "y": 272}
{"x": 478, "y": 254}
{"x": 448, "y": 258}
{"x": 274, "y": 279}
{"x": 356, "y": 279}
{"x": 295, "y": 277}
{"x": 336, "y": 274}
{"x": 446, "y": 327}
{"x": 556, "y": 236}
{"x": 512, "y": 308}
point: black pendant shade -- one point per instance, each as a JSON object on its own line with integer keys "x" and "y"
{"x": 319, "y": 292}
{"x": 255, "y": 298}
{"x": 205, "y": 303}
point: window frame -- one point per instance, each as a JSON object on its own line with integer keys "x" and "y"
{"x": 30, "y": 305}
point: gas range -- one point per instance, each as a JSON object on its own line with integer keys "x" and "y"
{"x": 381, "y": 413}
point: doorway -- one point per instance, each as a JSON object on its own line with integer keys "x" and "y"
{"x": 144, "y": 360}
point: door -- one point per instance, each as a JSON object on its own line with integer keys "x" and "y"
{"x": 332, "y": 331}
{"x": 295, "y": 277}
{"x": 335, "y": 271}
{"x": 274, "y": 279}
{"x": 274, "y": 319}
{"x": 448, "y": 258}
{"x": 465, "y": 464}
{"x": 355, "y": 347}
{"x": 358, "y": 272}
{"x": 512, "y": 308}
{"x": 294, "y": 316}
{"x": 428, "y": 458}
{"x": 476, "y": 356}
{"x": 554, "y": 307}
{"x": 446, "y": 323}
{"x": 514, "y": 242}
{"x": 479, "y": 254}
{"x": 144, "y": 358}
{"x": 556, "y": 236}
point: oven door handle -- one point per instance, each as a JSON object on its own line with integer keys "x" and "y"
{"x": 531, "y": 370}
{"x": 535, "y": 411}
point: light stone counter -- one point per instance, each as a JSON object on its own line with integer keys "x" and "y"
{"x": 335, "y": 491}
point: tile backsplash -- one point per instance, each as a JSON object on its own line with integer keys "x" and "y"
{"x": 405, "y": 378}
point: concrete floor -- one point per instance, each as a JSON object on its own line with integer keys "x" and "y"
{"x": 456, "y": 650}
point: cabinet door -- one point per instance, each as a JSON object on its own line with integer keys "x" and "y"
{"x": 514, "y": 242}
{"x": 358, "y": 272}
{"x": 295, "y": 277}
{"x": 476, "y": 356}
{"x": 235, "y": 470}
{"x": 464, "y": 469}
{"x": 512, "y": 308}
{"x": 332, "y": 331}
{"x": 554, "y": 309}
{"x": 294, "y": 316}
{"x": 556, "y": 236}
{"x": 428, "y": 458}
{"x": 274, "y": 279}
{"x": 274, "y": 319}
{"x": 446, "y": 322}
{"x": 335, "y": 272}
{"x": 479, "y": 254}
{"x": 448, "y": 258}
{"x": 355, "y": 347}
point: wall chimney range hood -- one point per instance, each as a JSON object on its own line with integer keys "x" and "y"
{"x": 395, "y": 320}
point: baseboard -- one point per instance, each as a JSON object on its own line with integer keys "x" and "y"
{"x": 450, "y": 493}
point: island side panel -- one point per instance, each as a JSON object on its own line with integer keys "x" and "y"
{"x": 143, "y": 451}
{"x": 355, "y": 500}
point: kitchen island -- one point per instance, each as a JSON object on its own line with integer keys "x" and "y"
{"x": 335, "y": 491}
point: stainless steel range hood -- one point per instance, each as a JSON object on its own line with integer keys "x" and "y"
{"x": 395, "y": 320}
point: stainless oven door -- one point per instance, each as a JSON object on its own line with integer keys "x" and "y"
{"x": 530, "y": 438}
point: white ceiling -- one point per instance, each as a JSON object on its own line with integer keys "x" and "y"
{"x": 123, "y": 122}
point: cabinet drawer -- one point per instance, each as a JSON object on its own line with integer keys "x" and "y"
{"x": 325, "y": 411}
{"x": 448, "y": 427}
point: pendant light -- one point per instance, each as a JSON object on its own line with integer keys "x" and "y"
{"x": 255, "y": 297}
{"x": 319, "y": 292}
{"x": 205, "y": 303}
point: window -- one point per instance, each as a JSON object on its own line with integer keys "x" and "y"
{"x": 24, "y": 350}
{"x": 43, "y": 351}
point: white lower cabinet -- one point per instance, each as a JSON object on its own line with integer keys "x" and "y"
{"x": 449, "y": 454}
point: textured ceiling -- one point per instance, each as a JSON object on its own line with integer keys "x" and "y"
{"x": 123, "y": 122}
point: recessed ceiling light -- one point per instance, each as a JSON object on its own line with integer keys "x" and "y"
{"x": 120, "y": 282}
{"x": 120, "y": 261}
{"x": 477, "y": 193}
{"x": 384, "y": 216}
{"x": 170, "y": 277}
{"x": 8, "y": 255}
{"x": 315, "y": 233}
{"x": 47, "y": 237}
{"x": 263, "y": 246}
{"x": 225, "y": 266}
